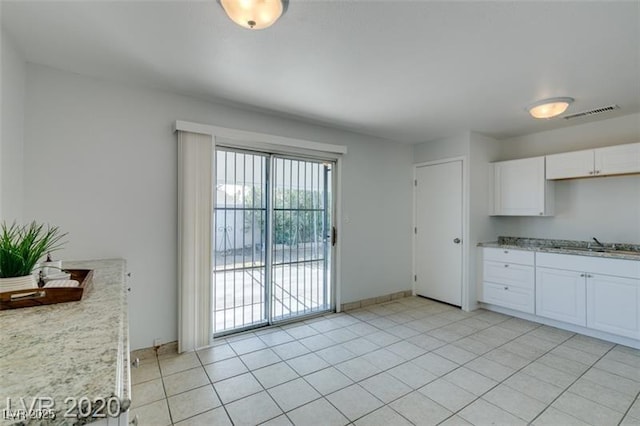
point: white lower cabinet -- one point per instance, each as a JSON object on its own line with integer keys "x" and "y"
{"x": 561, "y": 295}
{"x": 613, "y": 305}
{"x": 508, "y": 279}
{"x": 598, "y": 293}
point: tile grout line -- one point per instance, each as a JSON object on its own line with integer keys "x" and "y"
{"x": 568, "y": 387}
{"x": 254, "y": 378}
{"x": 411, "y": 359}
{"x": 214, "y": 388}
{"x": 330, "y": 365}
{"x": 459, "y": 366}
{"x": 503, "y": 380}
{"x": 164, "y": 389}
{"x": 358, "y": 356}
{"x": 636, "y": 399}
{"x": 260, "y": 383}
{"x": 357, "y": 321}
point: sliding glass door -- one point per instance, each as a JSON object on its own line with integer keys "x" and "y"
{"x": 273, "y": 239}
{"x": 239, "y": 256}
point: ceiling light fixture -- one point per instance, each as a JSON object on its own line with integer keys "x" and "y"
{"x": 549, "y": 108}
{"x": 254, "y": 14}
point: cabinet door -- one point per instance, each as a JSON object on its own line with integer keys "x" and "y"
{"x": 613, "y": 305}
{"x": 561, "y": 295}
{"x": 570, "y": 165}
{"x": 519, "y": 187}
{"x": 619, "y": 159}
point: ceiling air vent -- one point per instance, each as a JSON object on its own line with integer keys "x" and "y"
{"x": 591, "y": 112}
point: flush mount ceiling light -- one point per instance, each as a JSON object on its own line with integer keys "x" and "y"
{"x": 549, "y": 108}
{"x": 254, "y": 14}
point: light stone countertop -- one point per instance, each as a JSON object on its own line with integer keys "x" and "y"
{"x": 626, "y": 251}
{"x": 69, "y": 350}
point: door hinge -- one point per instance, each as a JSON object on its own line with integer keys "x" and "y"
{"x": 415, "y": 182}
{"x": 334, "y": 235}
{"x": 415, "y": 230}
{"x": 415, "y": 278}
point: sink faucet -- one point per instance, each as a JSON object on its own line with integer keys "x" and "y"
{"x": 598, "y": 242}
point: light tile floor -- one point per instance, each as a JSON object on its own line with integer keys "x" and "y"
{"x": 409, "y": 361}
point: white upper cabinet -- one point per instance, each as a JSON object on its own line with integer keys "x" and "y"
{"x": 520, "y": 188}
{"x": 613, "y": 160}
{"x": 570, "y": 165}
{"x": 616, "y": 160}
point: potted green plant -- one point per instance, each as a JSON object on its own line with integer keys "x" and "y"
{"x": 21, "y": 247}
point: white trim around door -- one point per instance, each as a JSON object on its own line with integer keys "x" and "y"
{"x": 280, "y": 145}
{"x": 465, "y": 302}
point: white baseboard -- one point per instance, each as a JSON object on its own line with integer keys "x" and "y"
{"x": 565, "y": 326}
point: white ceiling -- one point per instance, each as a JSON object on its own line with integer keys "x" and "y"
{"x": 403, "y": 70}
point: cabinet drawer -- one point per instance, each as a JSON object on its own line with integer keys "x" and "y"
{"x": 521, "y": 257}
{"x": 511, "y": 297}
{"x": 509, "y": 273}
{"x": 597, "y": 265}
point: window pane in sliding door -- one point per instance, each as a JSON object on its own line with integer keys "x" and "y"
{"x": 239, "y": 252}
{"x": 300, "y": 276}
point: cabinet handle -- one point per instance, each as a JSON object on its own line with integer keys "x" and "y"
{"x": 582, "y": 275}
{"x": 506, "y": 266}
{"x": 506, "y": 288}
{"x": 589, "y": 276}
{"x": 506, "y": 252}
{"x": 541, "y": 213}
{"x": 597, "y": 172}
{"x": 591, "y": 172}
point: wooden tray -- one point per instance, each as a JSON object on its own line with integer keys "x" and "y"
{"x": 47, "y": 296}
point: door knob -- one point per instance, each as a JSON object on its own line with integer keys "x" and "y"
{"x": 457, "y": 240}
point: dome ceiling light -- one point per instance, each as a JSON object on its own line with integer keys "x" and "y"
{"x": 549, "y": 108}
{"x": 254, "y": 14}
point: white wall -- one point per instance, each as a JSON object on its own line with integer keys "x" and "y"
{"x": 100, "y": 162}
{"x": 450, "y": 147}
{"x": 12, "y": 89}
{"x": 482, "y": 227}
{"x": 614, "y": 131}
{"x": 606, "y": 208}
{"x": 376, "y": 240}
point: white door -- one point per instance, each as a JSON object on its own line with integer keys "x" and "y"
{"x": 438, "y": 253}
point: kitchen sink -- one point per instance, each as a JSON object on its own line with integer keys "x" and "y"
{"x": 599, "y": 250}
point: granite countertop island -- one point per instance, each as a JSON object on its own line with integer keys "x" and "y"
{"x": 58, "y": 354}
{"x": 580, "y": 248}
